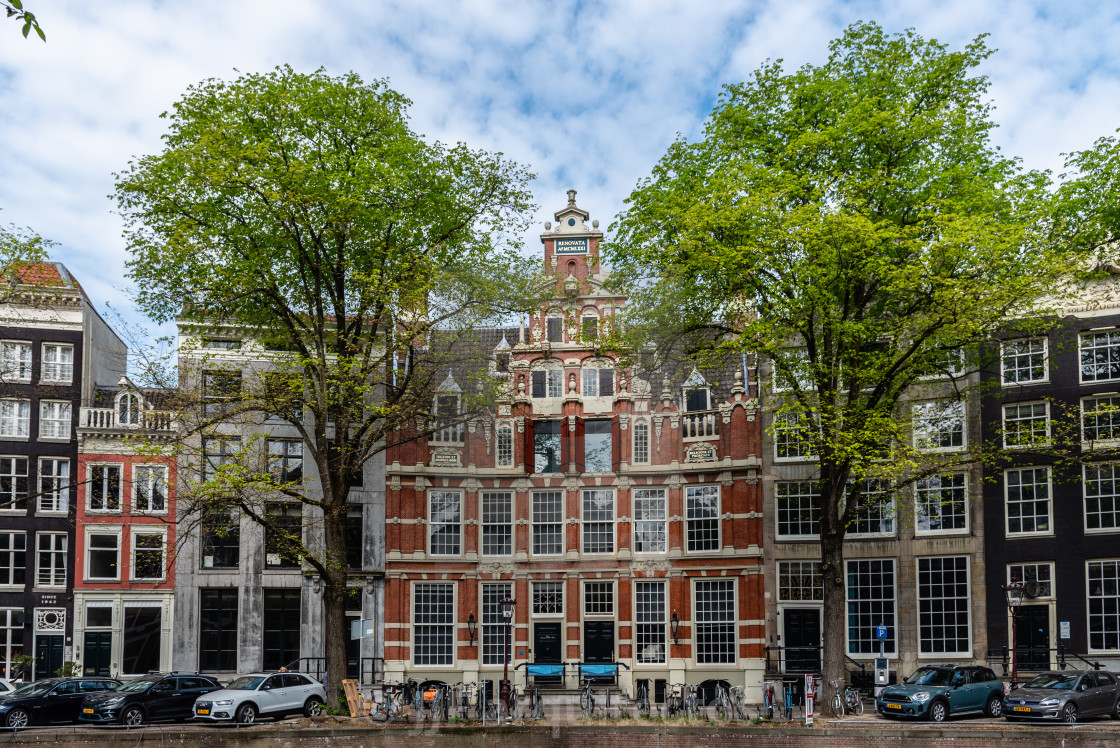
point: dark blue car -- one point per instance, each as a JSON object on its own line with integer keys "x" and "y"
{"x": 51, "y": 700}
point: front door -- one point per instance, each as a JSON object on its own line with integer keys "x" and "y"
{"x": 546, "y": 643}
{"x": 1034, "y": 637}
{"x": 48, "y": 655}
{"x": 802, "y": 639}
{"x": 598, "y": 641}
{"x": 97, "y": 656}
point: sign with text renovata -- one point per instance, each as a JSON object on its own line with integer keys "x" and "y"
{"x": 571, "y": 246}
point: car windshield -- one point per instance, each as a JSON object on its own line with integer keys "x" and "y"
{"x": 929, "y": 676}
{"x": 34, "y": 689}
{"x": 135, "y": 686}
{"x": 1055, "y": 681}
{"x": 246, "y": 683}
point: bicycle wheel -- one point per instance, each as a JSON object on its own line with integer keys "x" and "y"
{"x": 856, "y": 705}
{"x": 585, "y": 700}
{"x": 837, "y": 705}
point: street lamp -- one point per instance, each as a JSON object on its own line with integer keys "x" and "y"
{"x": 507, "y": 604}
{"x": 1014, "y": 600}
{"x": 471, "y": 627}
{"x": 674, "y": 625}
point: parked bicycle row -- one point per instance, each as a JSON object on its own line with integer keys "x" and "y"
{"x": 446, "y": 702}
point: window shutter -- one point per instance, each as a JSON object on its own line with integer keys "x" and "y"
{"x": 606, "y": 382}
{"x": 539, "y": 383}
{"x": 530, "y": 455}
{"x": 577, "y": 445}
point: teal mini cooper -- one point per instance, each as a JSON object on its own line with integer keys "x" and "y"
{"x": 935, "y": 692}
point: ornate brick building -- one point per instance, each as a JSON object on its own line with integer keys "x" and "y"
{"x": 606, "y": 499}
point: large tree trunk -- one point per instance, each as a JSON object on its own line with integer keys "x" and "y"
{"x": 335, "y": 633}
{"x": 834, "y": 626}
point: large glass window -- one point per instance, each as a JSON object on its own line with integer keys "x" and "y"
{"x": 1100, "y": 356}
{"x": 283, "y": 535}
{"x": 54, "y": 484}
{"x": 148, "y": 562}
{"x": 13, "y": 483}
{"x": 702, "y": 518}
{"x": 150, "y": 488}
{"x": 798, "y": 509}
{"x": 939, "y": 425}
{"x": 792, "y": 438}
{"x": 546, "y": 447}
{"x": 641, "y": 443}
{"x": 103, "y": 556}
{"x": 15, "y": 361}
{"x": 650, "y": 526}
{"x": 598, "y": 599}
{"x": 547, "y": 383}
{"x": 944, "y": 623}
{"x": 13, "y": 558}
{"x": 598, "y": 521}
{"x": 505, "y": 446}
{"x": 218, "y": 451}
{"x": 1100, "y": 419}
{"x": 1101, "y": 486}
{"x": 874, "y": 510}
{"x": 58, "y": 363}
{"x": 54, "y": 419}
{"x": 1028, "y": 500}
{"x": 497, "y": 523}
{"x": 217, "y": 630}
{"x": 444, "y": 518}
{"x": 50, "y": 559}
{"x": 433, "y": 614}
{"x": 15, "y": 418}
{"x": 871, "y": 603}
{"x": 220, "y": 389}
{"x": 353, "y": 531}
{"x": 220, "y": 540}
{"x": 715, "y": 622}
{"x": 1024, "y": 361}
{"x": 598, "y": 382}
{"x": 548, "y": 523}
{"x": 1026, "y": 425}
{"x": 281, "y": 627}
{"x": 649, "y": 622}
{"x": 104, "y": 488}
{"x": 285, "y": 460}
{"x": 1104, "y": 604}
{"x": 142, "y": 638}
{"x": 800, "y": 581}
{"x": 493, "y": 624}
{"x": 597, "y": 446}
{"x": 941, "y": 503}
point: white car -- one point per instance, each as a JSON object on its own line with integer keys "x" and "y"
{"x": 262, "y": 695}
{"x": 6, "y": 687}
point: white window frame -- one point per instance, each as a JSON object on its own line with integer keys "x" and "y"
{"x": 585, "y": 522}
{"x": 538, "y": 585}
{"x": 449, "y": 625}
{"x": 90, "y": 509}
{"x": 8, "y": 559}
{"x": 22, "y": 368}
{"x": 1094, "y": 593}
{"x": 59, "y": 499}
{"x": 508, "y": 525}
{"x": 503, "y": 450}
{"x": 59, "y": 414}
{"x": 802, "y": 570}
{"x": 922, "y": 489}
{"x": 18, "y": 503}
{"x": 814, "y": 494}
{"x": 1106, "y": 407}
{"x": 1114, "y": 479}
{"x": 894, "y": 622}
{"x": 559, "y": 522}
{"x": 114, "y": 531}
{"x": 127, "y": 407}
{"x": 929, "y": 418}
{"x": 700, "y": 490}
{"x": 1005, "y": 353}
{"x": 658, "y": 525}
{"x": 607, "y": 589}
{"x": 887, "y": 512}
{"x": 1112, "y": 341}
{"x": 1036, "y": 566}
{"x": 641, "y": 452}
{"x": 57, "y": 555}
{"x": 1049, "y": 503}
{"x": 153, "y": 531}
{"x": 1031, "y": 442}
{"x": 137, "y": 482}
{"x": 657, "y": 629}
{"x": 783, "y": 432}
{"x": 732, "y": 620}
{"x": 47, "y": 366}
{"x": 804, "y": 378}
{"x": 937, "y": 605}
{"x": 492, "y": 626}
{"x": 432, "y": 523}
{"x": 15, "y": 418}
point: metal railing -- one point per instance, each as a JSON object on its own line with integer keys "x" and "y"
{"x": 109, "y": 418}
{"x": 781, "y": 659}
{"x": 1035, "y": 659}
{"x": 698, "y": 425}
{"x": 371, "y": 670}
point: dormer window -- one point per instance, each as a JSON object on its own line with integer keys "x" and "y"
{"x": 502, "y": 356}
{"x": 128, "y": 409}
{"x": 447, "y": 407}
{"x": 697, "y": 395}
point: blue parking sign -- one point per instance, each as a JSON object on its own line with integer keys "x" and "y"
{"x": 880, "y": 632}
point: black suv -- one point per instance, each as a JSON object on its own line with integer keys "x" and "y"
{"x": 149, "y": 698}
{"x": 51, "y": 700}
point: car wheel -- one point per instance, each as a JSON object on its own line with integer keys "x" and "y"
{"x": 938, "y": 711}
{"x": 1069, "y": 713}
{"x": 313, "y": 707}
{"x": 995, "y": 706}
{"x": 133, "y": 716}
{"x": 1115, "y": 713}
{"x": 18, "y": 718}
{"x": 246, "y": 714}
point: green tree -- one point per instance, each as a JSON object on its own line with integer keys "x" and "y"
{"x": 852, "y": 223}
{"x": 14, "y": 9}
{"x": 299, "y": 213}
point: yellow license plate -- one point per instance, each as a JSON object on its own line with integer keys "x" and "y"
{"x": 203, "y": 711}
{"x": 1021, "y": 709}
{"x": 87, "y": 711}
{"x": 894, "y": 706}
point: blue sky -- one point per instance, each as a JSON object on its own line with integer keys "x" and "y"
{"x": 587, "y": 94}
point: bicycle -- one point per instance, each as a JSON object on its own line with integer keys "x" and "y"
{"x": 536, "y": 704}
{"x": 466, "y": 693}
{"x": 643, "y": 699}
{"x": 509, "y": 707}
{"x": 674, "y": 701}
{"x": 737, "y": 694}
{"x": 587, "y": 699}
{"x": 766, "y": 708}
{"x": 390, "y": 706}
{"x": 845, "y": 698}
{"x": 485, "y": 708}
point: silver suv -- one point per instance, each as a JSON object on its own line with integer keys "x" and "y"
{"x": 263, "y": 695}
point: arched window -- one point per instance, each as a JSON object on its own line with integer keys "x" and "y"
{"x": 128, "y": 409}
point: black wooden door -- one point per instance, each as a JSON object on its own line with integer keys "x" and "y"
{"x": 48, "y": 655}
{"x": 802, "y": 640}
{"x": 546, "y": 644}
{"x": 97, "y": 657}
{"x": 1034, "y": 637}
{"x": 598, "y": 641}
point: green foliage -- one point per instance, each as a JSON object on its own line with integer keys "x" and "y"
{"x": 853, "y": 224}
{"x": 20, "y": 247}
{"x": 14, "y": 9}
{"x": 69, "y": 670}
